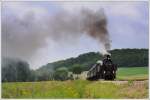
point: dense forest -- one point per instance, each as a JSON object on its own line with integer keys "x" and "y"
{"x": 18, "y": 70}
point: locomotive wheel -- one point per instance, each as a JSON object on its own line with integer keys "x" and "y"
{"x": 109, "y": 77}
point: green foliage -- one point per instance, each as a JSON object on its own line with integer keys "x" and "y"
{"x": 121, "y": 57}
{"x": 130, "y": 57}
{"x": 76, "y": 69}
{"x": 43, "y": 75}
{"x": 61, "y": 74}
{"x": 15, "y": 70}
{"x": 23, "y": 71}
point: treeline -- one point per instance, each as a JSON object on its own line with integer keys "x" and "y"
{"x": 16, "y": 70}
{"x": 122, "y": 57}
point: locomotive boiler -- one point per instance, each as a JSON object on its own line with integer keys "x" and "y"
{"x": 104, "y": 69}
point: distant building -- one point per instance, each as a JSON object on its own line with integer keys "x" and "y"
{"x": 83, "y": 75}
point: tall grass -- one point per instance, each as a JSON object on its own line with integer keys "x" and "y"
{"x": 73, "y": 89}
{"x": 82, "y": 88}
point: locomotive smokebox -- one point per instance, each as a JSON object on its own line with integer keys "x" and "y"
{"x": 107, "y": 55}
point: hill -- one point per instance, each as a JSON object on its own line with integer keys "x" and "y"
{"x": 121, "y": 57}
{"x": 16, "y": 70}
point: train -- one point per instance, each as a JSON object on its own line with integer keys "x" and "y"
{"x": 104, "y": 69}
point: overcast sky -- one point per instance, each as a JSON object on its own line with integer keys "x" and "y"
{"x": 127, "y": 27}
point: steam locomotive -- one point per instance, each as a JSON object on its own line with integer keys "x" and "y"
{"x": 104, "y": 69}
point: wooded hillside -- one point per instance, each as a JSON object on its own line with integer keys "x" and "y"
{"x": 121, "y": 57}
{"x": 14, "y": 70}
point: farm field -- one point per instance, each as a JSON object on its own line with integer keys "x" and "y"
{"x": 84, "y": 88}
{"x": 134, "y": 73}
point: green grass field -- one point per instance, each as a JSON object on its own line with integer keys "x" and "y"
{"x": 82, "y": 88}
{"x": 134, "y": 73}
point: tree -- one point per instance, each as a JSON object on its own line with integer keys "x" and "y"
{"x": 9, "y": 73}
{"x": 77, "y": 69}
{"x": 43, "y": 76}
{"x": 121, "y": 57}
{"x": 32, "y": 76}
{"x": 61, "y": 74}
{"x": 14, "y": 70}
{"x": 23, "y": 71}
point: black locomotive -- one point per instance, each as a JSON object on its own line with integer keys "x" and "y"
{"x": 103, "y": 70}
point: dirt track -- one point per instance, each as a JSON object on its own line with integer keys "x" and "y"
{"x": 126, "y": 81}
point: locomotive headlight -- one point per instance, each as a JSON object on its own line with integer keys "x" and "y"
{"x": 104, "y": 72}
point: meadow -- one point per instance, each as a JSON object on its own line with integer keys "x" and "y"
{"x": 83, "y": 88}
{"x": 134, "y": 73}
